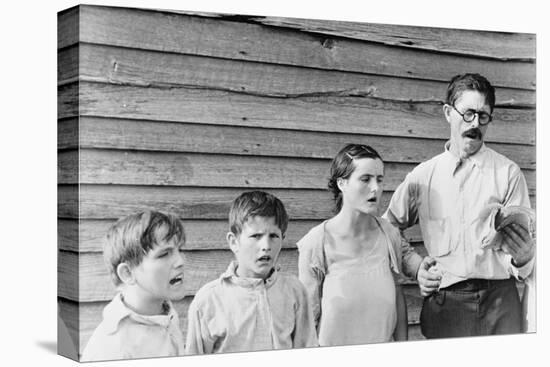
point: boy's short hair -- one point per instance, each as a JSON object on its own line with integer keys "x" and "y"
{"x": 476, "y": 82}
{"x": 133, "y": 236}
{"x": 256, "y": 204}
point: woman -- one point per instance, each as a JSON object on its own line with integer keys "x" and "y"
{"x": 350, "y": 263}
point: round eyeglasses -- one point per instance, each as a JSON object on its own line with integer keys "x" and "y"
{"x": 483, "y": 117}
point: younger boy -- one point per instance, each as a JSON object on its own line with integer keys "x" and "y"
{"x": 142, "y": 253}
{"x": 252, "y": 306}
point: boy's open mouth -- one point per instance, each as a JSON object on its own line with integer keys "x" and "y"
{"x": 372, "y": 200}
{"x": 176, "y": 280}
{"x": 264, "y": 258}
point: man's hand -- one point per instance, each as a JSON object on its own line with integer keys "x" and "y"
{"x": 428, "y": 280}
{"x": 517, "y": 242}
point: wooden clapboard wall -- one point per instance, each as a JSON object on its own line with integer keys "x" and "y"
{"x": 181, "y": 112}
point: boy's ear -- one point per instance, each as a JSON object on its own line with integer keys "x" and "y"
{"x": 232, "y": 242}
{"x": 125, "y": 273}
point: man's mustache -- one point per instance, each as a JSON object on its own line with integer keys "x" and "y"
{"x": 474, "y": 133}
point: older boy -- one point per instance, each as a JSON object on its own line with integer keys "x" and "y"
{"x": 142, "y": 252}
{"x": 252, "y": 306}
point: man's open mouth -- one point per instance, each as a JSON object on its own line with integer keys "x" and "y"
{"x": 176, "y": 280}
{"x": 472, "y": 134}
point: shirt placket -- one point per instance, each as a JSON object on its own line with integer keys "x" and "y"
{"x": 265, "y": 322}
{"x": 462, "y": 176}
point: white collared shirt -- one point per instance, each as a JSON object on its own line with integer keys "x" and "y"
{"x": 232, "y": 314}
{"x": 455, "y": 201}
{"x": 125, "y": 334}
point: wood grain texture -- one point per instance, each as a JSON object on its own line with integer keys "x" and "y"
{"x": 126, "y": 134}
{"x": 357, "y": 115}
{"x": 158, "y": 69}
{"x": 210, "y": 170}
{"x": 495, "y": 45}
{"x": 245, "y": 41}
{"x": 95, "y": 283}
{"x": 88, "y": 235}
{"x": 68, "y": 22}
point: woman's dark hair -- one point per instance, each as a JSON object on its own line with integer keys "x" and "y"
{"x": 343, "y": 166}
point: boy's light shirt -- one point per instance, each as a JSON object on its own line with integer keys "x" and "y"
{"x": 448, "y": 197}
{"x": 124, "y": 334}
{"x": 232, "y": 314}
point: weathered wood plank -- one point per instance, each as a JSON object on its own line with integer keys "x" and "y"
{"x": 88, "y": 235}
{"x": 244, "y": 41}
{"x": 200, "y": 268}
{"x": 68, "y": 100}
{"x": 357, "y": 115}
{"x": 68, "y": 69}
{"x": 498, "y": 45}
{"x": 209, "y": 170}
{"x": 68, "y": 27}
{"x": 199, "y": 138}
{"x": 150, "y": 68}
{"x": 68, "y": 134}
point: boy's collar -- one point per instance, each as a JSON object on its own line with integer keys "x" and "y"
{"x": 231, "y": 274}
{"x": 117, "y": 310}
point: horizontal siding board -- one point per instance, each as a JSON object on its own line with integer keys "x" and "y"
{"x": 150, "y": 68}
{"x": 200, "y": 235}
{"x": 489, "y": 44}
{"x": 68, "y": 63}
{"x": 200, "y": 268}
{"x": 68, "y": 133}
{"x": 242, "y": 41}
{"x": 358, "y": 115}
{"x": 180, "y": 137}
{"x": 68, "y": 27}
{"x": 209, "y": 170}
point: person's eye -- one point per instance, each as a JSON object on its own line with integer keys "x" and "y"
{"x": 380, "y": 179}
{"x": 162, "y": 254}
{"x": 366, "y": 179}
{"x": 274, "y": 235}
{"x": 255, "y": 235}
{"x": 469, "y": 114}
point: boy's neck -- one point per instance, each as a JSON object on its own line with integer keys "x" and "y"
{"x": 142, "y": 305}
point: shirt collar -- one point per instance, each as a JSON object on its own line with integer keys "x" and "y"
{"x": 116, "y": 311}
{"x": 478, "y": 159}
{"x": 231, "y": 275}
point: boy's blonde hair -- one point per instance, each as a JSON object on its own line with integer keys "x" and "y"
{"x": 253, "y": 204}
{"x": 132, "y": 237}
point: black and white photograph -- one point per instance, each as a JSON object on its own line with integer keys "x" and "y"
{"x": 231, "y": 180}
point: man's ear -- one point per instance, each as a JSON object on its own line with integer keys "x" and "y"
{"x": 232, "y": 242}
{"x": 447, "y": 110}
{"x": 125, "y": 273}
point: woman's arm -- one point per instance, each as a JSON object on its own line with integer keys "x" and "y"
{"x": 401, "y": 329}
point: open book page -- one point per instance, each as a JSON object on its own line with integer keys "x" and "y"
{"x": 520, "y": 215}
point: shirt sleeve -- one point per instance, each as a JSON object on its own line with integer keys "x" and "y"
{"x": 311, "y": 274}
{"x": 198, "y": 340}
{"x": 402, "y": 213}
{"x": 304, "y": 334}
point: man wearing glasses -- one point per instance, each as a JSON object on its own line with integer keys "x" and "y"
{"x": 459, "y": 198}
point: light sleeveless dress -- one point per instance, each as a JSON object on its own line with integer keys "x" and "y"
{"x": 356, "y": 295}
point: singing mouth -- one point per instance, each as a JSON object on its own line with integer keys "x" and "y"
{"x": 473, "y": 134}
{"x": 264, "y": 258}
{"x": 176, "y": 280}
{"x": 372, "y": 200}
